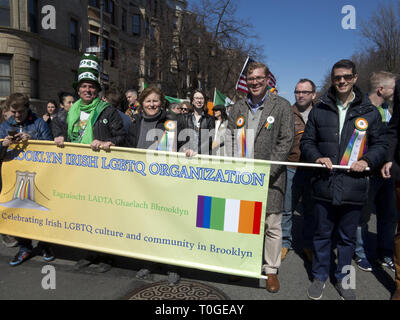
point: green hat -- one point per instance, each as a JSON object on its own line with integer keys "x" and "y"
{"x": 88, "y": 70}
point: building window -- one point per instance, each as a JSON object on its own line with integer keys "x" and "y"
{"x": 33, "y": 16}
{"x": 94, "y": 3}
{"x": 34, "y": 79}
{"x": 111, "y": 10}
{"x": 5, "y": 13}
{"x": 124, "y": 20}
{"x": 106, "y": 49}
{"x": 94, "y": 40}
{"x": 74, "y": 34}
{"x": 5, "y": 76}
{"x": 136, "y": 24}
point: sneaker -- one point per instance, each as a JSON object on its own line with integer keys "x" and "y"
{"x": 316, "y": 289}
{"x": 387, "y": 262}
{"x": 47, "y": 254}
{"x": 345, "y": 294}
{"x": 173, "y": 278}
{"x": 363, "y": 264}
{"x": 9, "y": 241}
{"x": 20, "y": 257}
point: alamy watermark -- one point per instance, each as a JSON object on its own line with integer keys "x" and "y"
{"x": 349, "y": 20}
{"x": 49, "y": 280}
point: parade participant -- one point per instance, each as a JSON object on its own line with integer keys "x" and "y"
{"x": 221, "y": 123}
{"x": 174, "y": 108}
{"x": 133, "y": 106}
{"x": 343, "y": 129}
{"x": 392, "y": 169}
{"x": 93, "y": 122}
{"x": 150, "y": 129}
{"x": 298, "y": 179}
{"x": 268, "y": 118}
{"x": 23, "y": 126}
{"x": 381, "y": 198}
{"x": 186, "y": 107}
{"x": 198, "y": 124}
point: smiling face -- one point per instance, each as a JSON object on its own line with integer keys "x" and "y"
{"x": 152, "y": 104}
{"x": 198, "y": 100}
{"x": 87, "y": 91}
{"x": 257, "y": 83}
{"x": 343, "y": 80}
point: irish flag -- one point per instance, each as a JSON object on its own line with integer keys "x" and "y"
{"x": 230, "y": 215}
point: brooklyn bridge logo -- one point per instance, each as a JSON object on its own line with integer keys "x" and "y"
{"x": 25, "y": 191}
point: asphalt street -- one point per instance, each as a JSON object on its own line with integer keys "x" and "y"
{"x": 25, "y": 281}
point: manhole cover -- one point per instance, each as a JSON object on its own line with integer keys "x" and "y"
{"x": 185, "y": 290}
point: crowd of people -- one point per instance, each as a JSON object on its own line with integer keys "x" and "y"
{"x": 353, "y": 136}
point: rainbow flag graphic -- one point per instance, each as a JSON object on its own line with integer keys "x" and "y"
{"x": 230, "y": 215}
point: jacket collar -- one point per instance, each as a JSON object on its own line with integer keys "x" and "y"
{"x": 361, "y": 99}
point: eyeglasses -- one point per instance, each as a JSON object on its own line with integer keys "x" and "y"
{"x": 346, "y": 77}
{"x": 184, "y": 109}
{"x": 198, "y": 98}
{"x": 306, "y": 93}
{"x": 258, "y": 79}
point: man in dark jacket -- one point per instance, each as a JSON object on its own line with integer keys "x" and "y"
{"x": 392, "y": 168}
{"x": 343, "y": 129}
{"x": 22, "y": 126}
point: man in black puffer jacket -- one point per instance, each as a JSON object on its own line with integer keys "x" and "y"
{"x": 343, "y": 129}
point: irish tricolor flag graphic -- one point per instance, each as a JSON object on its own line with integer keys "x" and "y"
{"x": 231, "y": 215}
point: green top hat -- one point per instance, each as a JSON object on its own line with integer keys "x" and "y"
{"x": 88, "y": 70}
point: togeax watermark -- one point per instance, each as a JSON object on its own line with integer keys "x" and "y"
{"x": 49, "y": 280}
{"x": 349, "y": 20}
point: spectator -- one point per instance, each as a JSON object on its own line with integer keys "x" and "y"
{"x": 298, "y": 183}
{"x": 23, "y": 126}
{"x": 93, "y": 122}
{"x": 58, "y": 125}
{"x": 344, "y": 115}
{"x": 51, "y": 111}
{"x": 381, "y": 198}
{"x": 392, "y": 168}
{"x": 265, "y": 122}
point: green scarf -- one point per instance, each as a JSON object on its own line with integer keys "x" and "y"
{"x": 74, "y": 114}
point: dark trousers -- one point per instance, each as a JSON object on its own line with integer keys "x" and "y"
{"x": 329, "y": 218}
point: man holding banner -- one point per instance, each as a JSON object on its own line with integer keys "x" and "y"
{"x": 346, "y": 129}
{"x": 262, "y": 128}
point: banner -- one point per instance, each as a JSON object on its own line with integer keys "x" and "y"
{"x": 203, "y": 212}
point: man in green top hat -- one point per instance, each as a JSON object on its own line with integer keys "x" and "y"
{"x": 91, "y": 120}
{"x": 94, "y": 122}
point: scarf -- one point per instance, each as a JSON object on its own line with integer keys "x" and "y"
{"x": 94, "y": 109}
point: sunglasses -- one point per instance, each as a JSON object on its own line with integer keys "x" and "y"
{"x": 346, "y": 77}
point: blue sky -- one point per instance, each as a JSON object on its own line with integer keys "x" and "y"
{"x": 303, "y": 39}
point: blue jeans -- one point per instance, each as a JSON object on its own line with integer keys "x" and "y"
{"x": 381, "y": 200}
{"x": 298, "y": 186}
{"x": 327, "y": 217}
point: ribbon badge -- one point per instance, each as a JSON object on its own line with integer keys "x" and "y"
{"x": 240, "y": 122}
{"x": 170, "y": 125}
{"x": 357, "y": 144}
{"x": 270, "y": 121}
{"x": 167, "y": 142}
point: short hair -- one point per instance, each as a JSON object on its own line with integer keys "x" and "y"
{"x": 148, "y": 91}
{"x": 52, "y": 102}
{"x": 346, "y": 64}
{"x": 17, "y": 99}
{"x": 188, "y": 105}
{"x": 131, "y": 91}
{"x": 174, "y": 105}
{"x": 313, "y": 86}
{"x": 257, "y": 65}
{"x": 379, "y": 79}
{"x": 114, "y": 97}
